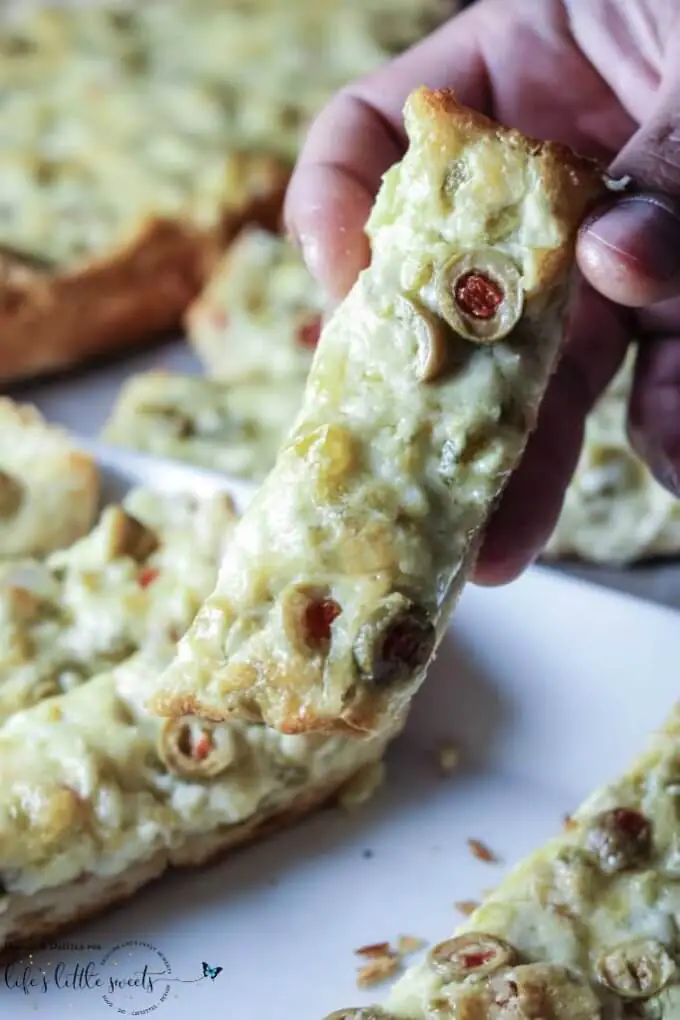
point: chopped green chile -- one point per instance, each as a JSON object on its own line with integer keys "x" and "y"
{"x": 473, "y": 953}
{"x": 11, "y": 496}
{"x": 637, "y": 969}
{"x": 621, "y": 838}
{"x": 480, "y": 295}
{"x": 395, "y": 641}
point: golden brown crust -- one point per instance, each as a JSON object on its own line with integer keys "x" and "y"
{"x": 49, "y": 489}
{"x": 569, "y": 170}
{"x": 52, "y": 319}
{"x": 571, "y": 182}
{"x": 41, "y": 916}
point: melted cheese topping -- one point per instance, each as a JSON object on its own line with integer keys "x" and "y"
{"x": 233, "y": 427}
{"x": 575, "y": 904}
{"x": 92, "y": 783}
{"x": 113, "y": 115}
{"x": 381, "y": 488}
{"x": 97, "y": 602}
{"x": 260, "y": 314}
{"x": 615, "y": 512}
{"x": 88, "y": 788}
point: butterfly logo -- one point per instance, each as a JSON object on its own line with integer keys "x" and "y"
{"x": 211, "y": 972}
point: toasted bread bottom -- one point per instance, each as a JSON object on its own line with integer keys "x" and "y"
{"x": 29, "y": 920}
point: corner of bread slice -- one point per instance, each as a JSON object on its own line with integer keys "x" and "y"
{"x": 49, "y": 489}
{"x": 346, "y": 565}
{"x": 470, "y": 181}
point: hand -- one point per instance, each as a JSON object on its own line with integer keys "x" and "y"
{"x": 604, "y": 77}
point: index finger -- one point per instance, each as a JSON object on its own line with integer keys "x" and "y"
{"x": 358, "y": 136}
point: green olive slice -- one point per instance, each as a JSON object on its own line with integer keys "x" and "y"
{"x": 480, "y": 295}
{"x": 431, "y": 337}
{"x": 620, "y": 838}
{"x": 127, "y": 536}
{"x": 195, "y": 749}
{"x": 395, "y": 641}
{"x": 472, "y": 953}
{"x": 307, "y": 616}
{"x": 637, "y": 969}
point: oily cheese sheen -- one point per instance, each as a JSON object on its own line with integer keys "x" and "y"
{"x": 98, "y": 796}
{"x": 421, "y": 396}
{"x": 134, "y": 581}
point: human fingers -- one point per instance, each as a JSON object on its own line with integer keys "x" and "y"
{"x": 597, "y": 337}
{"x": 654, "y": 410}
{"x": 630, "y": 249}
{"x": 358, "y": 136}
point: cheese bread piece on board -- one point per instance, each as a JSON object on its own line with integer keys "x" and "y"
{"x": 615, "y": 512}
{"x": 586, "y": 928}
{"x": 425, "y": 386}
{"x": 135, "y": 581}
{"x": 260, "y": 314}
{"x": 49, "y": 490}
{"x": 98, "y": 797}
{"x": 234, "y": 427}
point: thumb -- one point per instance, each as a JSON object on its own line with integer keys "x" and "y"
{"x": 630, "y": 250}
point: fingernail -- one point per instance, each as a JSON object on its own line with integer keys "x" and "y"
{"x": 644, "y": 230}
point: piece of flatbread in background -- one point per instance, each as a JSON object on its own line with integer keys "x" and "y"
{"x": 139, "y": 137}
{"x": 260, "y": 313}
{"x": 135, "y": 581}
{"x": 49, "y": 489}
{"x": 615, "y": 512}
{"x": 54, "y": 316}
{"x": 231, "y": 427}
{"x": 255, "y": 327}
{"x": 424, "y": 388}
{"x": 585, "y": 928}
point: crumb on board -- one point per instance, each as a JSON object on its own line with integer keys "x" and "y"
{"x": 408, "y": 944}
{"x": 448, "y": 758}
{"x": 367, "y": 854}
{"x": 569, "y": 823}
{"x": 482, "y": 852}
{"x": 466, "y": 907}
{"x": 383, "y": 960}
{"x": 375, "y": 949}
{"x": 378, "y": 970}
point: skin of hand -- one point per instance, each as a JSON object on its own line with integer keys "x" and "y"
{"x": 604, "y": 77}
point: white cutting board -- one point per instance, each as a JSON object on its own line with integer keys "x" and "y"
{"x": 548, "y": 685}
